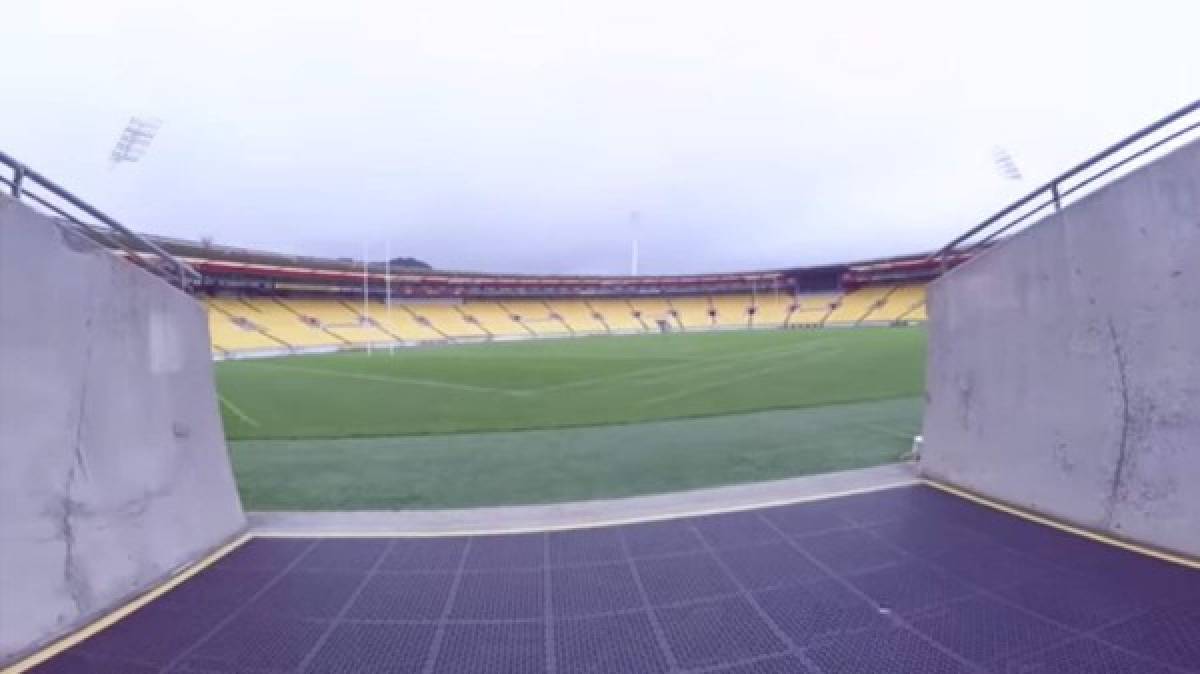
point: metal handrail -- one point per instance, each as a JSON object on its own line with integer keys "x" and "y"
{"x": 1052, "y": 193}
{"x": 113, "y": 234}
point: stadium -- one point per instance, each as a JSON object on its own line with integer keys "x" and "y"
{"x": 527, "y": 355}
{"x": 978, "y": 456}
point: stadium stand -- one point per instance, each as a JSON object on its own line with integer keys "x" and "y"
{"x": 579, "y": 316}
{"x": 732, "y": 310}
{"x": 854, "y": 306}
{"x": 900, "y": 301}
{"x": 260, "y": 301}
{"x": 339, "y": 318}
{"x": 811, "y": 309}
{"x": 320, "y": 306}
{"x": 693, "y": 312}
{"x": 494, "y": 320}
{"x": 653, "y": 310}
{"x": 917, "y": 313}
{"x": 771, "y": 310}
{"x": 399, "y": 320}
{"x": 538, "y": 317}
{"x": 285, "y": 323}
{"x": 449, "y": 320}
{"x": 617, "y": 315}
{"x": 231, "y": 333}
{"x": 245, "y": 324}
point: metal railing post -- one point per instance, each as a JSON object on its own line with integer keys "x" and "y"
{"x": 1057, "y": 199}
{"x": 113, "y": 234}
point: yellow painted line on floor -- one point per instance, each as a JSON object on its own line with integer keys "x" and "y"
{"x": 1061, "y": 526}
{"x": 237, "y": 411}
{"x": 117, "y": 614}
{"x": 319, "y": 533}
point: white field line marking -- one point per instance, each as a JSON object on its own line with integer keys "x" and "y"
{"x": 587, "y": 381}
{"x": 683, "y": 393}
{"x": 699, "y": 364}
{"x": 395, "y": 380}
{"x": 741, "y": 359}
{"x": 237, "y": 411}
{"x": 596, "y": 524}
{"x": 565, "y": 356}
{"x": 644, "y": 374}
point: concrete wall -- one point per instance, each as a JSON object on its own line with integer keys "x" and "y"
{"x": 1064, "y": 366}
{"x": 113, "y": 466}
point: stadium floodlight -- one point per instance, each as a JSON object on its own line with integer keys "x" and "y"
{"x": 1005, "y": 163}
{"x": 135, "y": 139}
{"x": 635, "y": 220}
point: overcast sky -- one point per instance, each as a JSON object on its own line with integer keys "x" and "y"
{"x": 519, "y": 136}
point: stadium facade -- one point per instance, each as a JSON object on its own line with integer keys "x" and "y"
{"x": 263, "y": 303}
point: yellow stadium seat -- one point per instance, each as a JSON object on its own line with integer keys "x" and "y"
{"x": 578, "y": 315}
{"x": 732, "y": 310}
{"x": 693, "y": 312}
{"x": 617, "y": 314}
{"x": 771, "y": 309}
{"x": 449, "y": 320}
{"x": 898, "y": 303}
{"x": 811, "y": 309}
{"x": 397, "y": 320}
{"x": 537, "y": 316}
{"x": 227, "y": 334}
{"x": 254, "y": 323}
{"x": 855, "y": 305}
{"x": 494, "y": 319}
{"x": 653, "y": 310}
{"x": 342, "y": 319}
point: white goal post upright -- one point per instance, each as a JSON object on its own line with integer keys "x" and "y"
{"x": 387, "y": 288}
{"x": 366, "y": 314}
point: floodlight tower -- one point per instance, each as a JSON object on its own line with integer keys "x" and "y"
{"x": 135, "y": 139}
{"x": 1005, "y": 164}
{"x": 635, "y": 218}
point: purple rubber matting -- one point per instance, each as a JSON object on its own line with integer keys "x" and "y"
{"x": 901, "y": 580}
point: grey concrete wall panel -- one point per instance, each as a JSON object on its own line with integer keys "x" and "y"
{"x": 113, "y": 465}
{"x": 1064, "y": 365}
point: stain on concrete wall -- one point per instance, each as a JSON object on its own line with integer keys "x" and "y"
{"x": 1064, "y": 365}
{"x": 114, "y": 468}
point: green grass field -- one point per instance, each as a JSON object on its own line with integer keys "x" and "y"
{"x": 558, "y": 420}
